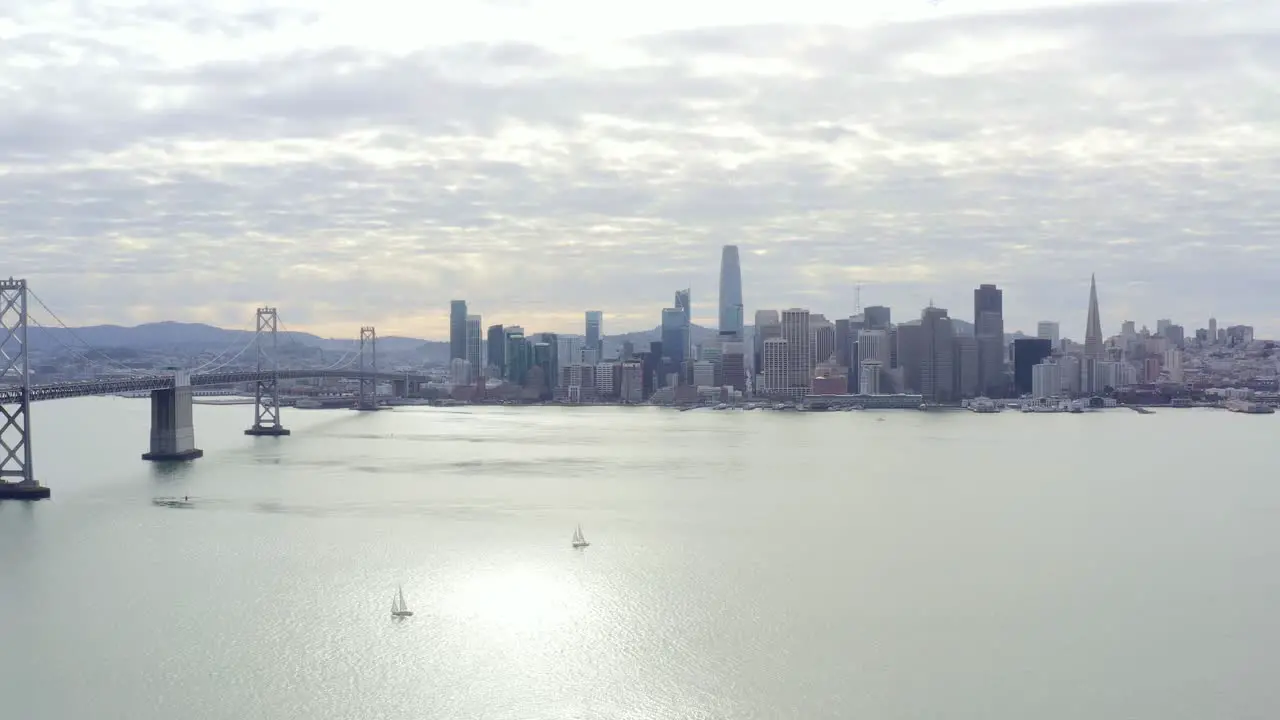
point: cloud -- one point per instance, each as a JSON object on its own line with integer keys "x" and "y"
{"x": 239, "y": 158}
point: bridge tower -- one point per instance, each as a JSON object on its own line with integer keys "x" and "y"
{"x": 17, "y": 480}
{"x": 266, "y": 396}
{"x": 368, "y": 399}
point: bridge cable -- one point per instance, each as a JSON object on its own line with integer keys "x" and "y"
{"x": 221, "y": 353}
{"x": 347, "y": 359}
{"x": 110, "y": 360}
{"x": 205, "y": 369}
{"x": 75, "y": 352}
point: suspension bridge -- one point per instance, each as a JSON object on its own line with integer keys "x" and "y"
{"x": 172, "y": 425}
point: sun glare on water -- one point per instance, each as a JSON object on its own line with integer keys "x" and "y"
{"x": 518, "y": 598}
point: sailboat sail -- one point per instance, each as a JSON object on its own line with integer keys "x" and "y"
{"x": 398, "y": 606}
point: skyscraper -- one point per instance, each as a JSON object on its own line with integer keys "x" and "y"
{"x": 458, "y": 330}
{"x": 876, "y": 317}
{"x": 795, "y": 330}
{"x": 937, "y": 371}
{"x": 497, "y": 351}
{"x": 1093, "y": 325}
{"x": 684, "y": 304}
{"x": 475, "y": 346}
{"x": 675, "y": 341}
{"x": 1048, "y": 330}
{"x": 594, "y": 343}
{"x": 731, "y": 315}
{"x": 988, "y": 328}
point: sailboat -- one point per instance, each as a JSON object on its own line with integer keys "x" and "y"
{"x": 579, "y": 541}
{"x": 398, "y": 607}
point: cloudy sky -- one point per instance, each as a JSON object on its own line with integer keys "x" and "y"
{"x": 363, "y": 162}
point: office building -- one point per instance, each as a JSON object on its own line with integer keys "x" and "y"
{"x": 733, "y": 367}
{"x": 768, "y": 325}
{"x": 458, "y": 330}
{"x": 968, "y": 372}
{"x": 594, "y": 338}
{"x": 1049, "y": 330}
{"x": 869, "y": 377}
{"x": 988, "y": 328}
{"x": 1093, "y": 325}
{"x": 1047, "y": 379}
{"x": 496, "y": 352}
{"x": 937, "y": 370}
{"x": 795, "y": 330}
{"x": 731, "y": 313}
{"x": 876, "y": 317}
{"x": 775, "y": 368}
{"x": 675, "y": 340}
{"x": 632, "y": 384}
{"x": 475, "y": 345}
{"x": 822, "y": 339}
{"x": 1027, "y": 353}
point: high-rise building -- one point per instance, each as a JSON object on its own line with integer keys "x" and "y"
{"x": 733, "y": 367}
{"x": 570, "y": 350}
{"x": 1049, "y": 330}
{"x": 684, "y": 304}
{"x": 822, "y": 337}
{"x": 632, "y": 382}
{"x": 551, "y": 363}
{"x": 876, "y": 317}
{"x": 936, "y": 373}
{"x": 1213, "y": 330}
{"x": 497, "y": 351}
{"x": 910, "y": 354}
{"x": 773, "y": 368}
{"x": 594, "y": 341}
{"x": 966, "y": 367}
{"x": 1094, "y": 353}
{"x": 731, "y": 315}
{"x": 458, "y": 330}
{"x": 675, "y": 345}
{"x": 988, "y": 328}
{"x": 1093, "y": 325}
{"x": 768, "y": 325}
{"x": 1047, "y": 379}
{"x": 869, "y": 377}
{"x": 519, "y": 355}
{"x": 1027, "y": 353}
{"x": 475, "y": 345}
{"x": 795, "y": 330}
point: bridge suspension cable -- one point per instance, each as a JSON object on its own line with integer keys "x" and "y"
{"x": 105, "y": 357}
{"x": 206, "y": 369}
{"x": 77, "y": 352}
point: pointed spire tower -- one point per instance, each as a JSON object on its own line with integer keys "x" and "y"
{"x": 1093, "y": 326}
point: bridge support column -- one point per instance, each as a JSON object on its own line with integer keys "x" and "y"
{"x": 173, "y": 432}
{"x": 400, "y": 388}
{"x": 368, "y": 397}
{"x": 266, "y": 404}
{"x": 17, "y": 481}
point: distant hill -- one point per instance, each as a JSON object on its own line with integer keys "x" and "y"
{"x": 191, "y": 336}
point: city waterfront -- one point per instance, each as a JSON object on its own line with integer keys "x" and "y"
{"x": 889, "y": 564}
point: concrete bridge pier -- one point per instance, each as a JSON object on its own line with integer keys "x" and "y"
{"x": 173, "y": 433}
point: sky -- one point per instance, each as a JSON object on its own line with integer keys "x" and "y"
{"x": 363, "y": 162}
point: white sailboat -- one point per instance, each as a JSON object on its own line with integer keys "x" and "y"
{"x": 398, "y": 607}
{"x": 579, "y": 541}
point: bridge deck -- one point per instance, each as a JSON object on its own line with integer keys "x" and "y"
{"x": 144, "y": 383}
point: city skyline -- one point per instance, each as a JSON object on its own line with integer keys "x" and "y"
{"x": 544, "y": 159}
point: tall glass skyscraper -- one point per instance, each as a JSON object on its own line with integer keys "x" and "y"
{"x": 731, "y": 315}
{"x": 594, "y": 338}
{"x": 458, "y": 330}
